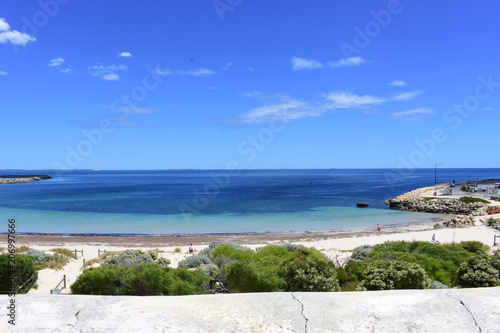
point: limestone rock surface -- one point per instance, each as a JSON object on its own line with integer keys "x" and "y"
{"x": 450, "y": 310}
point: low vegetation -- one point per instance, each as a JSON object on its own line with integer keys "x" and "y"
{"x": 288, "y": 267}
{"x": 374, "y": 267}
{"x": 20, "y": 277}
{"x": 473, "y": 200}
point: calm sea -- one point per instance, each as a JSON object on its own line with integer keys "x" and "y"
{"x": 216, "y": 201}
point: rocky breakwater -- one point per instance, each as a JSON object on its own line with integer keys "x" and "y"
{"x": 441, "y": 205}
{"x": 15, "y": 179}
{"x": 422, "y": 200}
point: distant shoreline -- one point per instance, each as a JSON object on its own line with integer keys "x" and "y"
{"x": 20, "y": 179}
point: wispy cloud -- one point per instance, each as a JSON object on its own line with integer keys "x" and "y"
{"x": 227, "y": 66}
{"x": 346, "y": 62}
{"x": 301, "y": 64}
{"x": 13, "y": 36}
{"x": 397, "y": 83}
{"x": 406, "y": 96}
{"x": 136, "y": 110}
{"x": 189, "y": 72}
{"x": 56, "y": 62}
{"x": 59, "y": 64}
{"x": 3, "y": 73}
{"x": 124, "y": 55}
{"x": 343, "y": 100}
{"x": 412, "y": 115}
{"x": 108, "y": 73}
{"x": 286, "y": 110}
{"x": 488, "y": 108}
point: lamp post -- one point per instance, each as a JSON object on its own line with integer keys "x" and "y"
{"x": 435, "y": 177}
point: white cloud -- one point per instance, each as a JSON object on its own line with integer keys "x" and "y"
{"x": 16, "y": 37}
{"x": 56, "y": 62}
{"x": 125, "y": 54}
{"x": 136, "y": 110}
{"x": 488, "y": 108}
{"x": 227, "y": 66}
{"x": 397, "y": 83}
{"x": 190, "y": 72}
{"x": 351, "y": 61}
{"x": 110, "y": 77}
{"x": 4, "y": 26}
{"x": 3, "y": 73}
{"x": 286, "y": 110}
{"x": 406, "y": 96}
{"x": 301, "y": 63}
{"x": 342, "y": 100}
{"x": 108, "y": 73}
{"x": 412, "y": 115}
{"x": 13, "y": 36}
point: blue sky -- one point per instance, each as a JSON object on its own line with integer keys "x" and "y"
{"x": 253, "y": 84}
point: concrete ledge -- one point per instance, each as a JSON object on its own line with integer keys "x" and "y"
{"x": 455, "y": 310}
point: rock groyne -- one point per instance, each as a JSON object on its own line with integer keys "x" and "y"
{"x": 16, "y": 179}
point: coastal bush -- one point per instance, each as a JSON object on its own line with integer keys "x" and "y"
{"x": 480, "y": 271}
{"x": 472, "y": 200}
{"x": 25, "y": 273}
{"x": 131, "y": 257}
{"x": 361, "y": 252}
{"x": 39, "y": 257}
{"x": 310, "y": 274}
{"x": 475, "y": 247}
{"x": 388, "y": 275}
{"x": 440, "y": 261}
{"x": 195, "y": 261}
{"x": 140, "y": 280}
{"x": 351, "y": 274}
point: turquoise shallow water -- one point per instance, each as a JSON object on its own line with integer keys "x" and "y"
{"x": 319, "y": 220}
{"x": 215, "y": 201}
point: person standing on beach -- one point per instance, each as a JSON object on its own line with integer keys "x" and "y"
{"x": 378, "y": 228}
{"x": 190, "y": 248}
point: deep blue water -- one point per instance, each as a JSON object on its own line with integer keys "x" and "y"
{"x": 204, "y": 201}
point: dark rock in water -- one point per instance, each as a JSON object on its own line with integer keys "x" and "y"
{"x": 362, "y": 204}
{"x": 15, "y": 179}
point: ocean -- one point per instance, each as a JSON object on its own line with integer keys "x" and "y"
{"x": 185, "y": 202}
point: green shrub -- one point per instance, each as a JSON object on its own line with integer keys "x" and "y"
{"x": 475, "y": 247}
{"x": 39, "y": 257}
{"x": 195, "y": 261}
{"x": 440, "y": 261}
{"x": 23, "y": 274}
{"x": 310, "y": 274}
{"x": 361, "y": 252}
{"x": 480, "y": 271}
{"x": 131, "y": 257}
{"x": 141, "y": 280}
{"x": 472, "y": 200}
{"x": 387, "y": 275}
{"x": 351, "y": 274}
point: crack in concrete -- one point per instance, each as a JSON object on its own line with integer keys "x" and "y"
{"x": 77, "y": 318}
{"x": 469, "y": 311}
{"x": 301, "y": 312}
